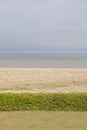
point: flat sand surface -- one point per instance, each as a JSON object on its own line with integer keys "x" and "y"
{"x": 43, "y": 80}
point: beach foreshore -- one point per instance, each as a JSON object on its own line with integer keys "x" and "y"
{"x": 35, "y": 80}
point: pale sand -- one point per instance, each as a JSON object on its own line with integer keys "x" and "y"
{"x": 43, "y": 80}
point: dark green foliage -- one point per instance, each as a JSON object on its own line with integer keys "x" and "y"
{"x": 49, "y": 101}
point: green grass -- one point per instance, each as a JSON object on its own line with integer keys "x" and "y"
{"x": 46, "y": 101}
{"x": 51, "y": 85}
{"x": 33, "y": 86}
{"x": 41, "y": 120}
{"x": 41, "y": 86}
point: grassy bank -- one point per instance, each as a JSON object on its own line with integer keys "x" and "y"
{"x": 49, "y": 101}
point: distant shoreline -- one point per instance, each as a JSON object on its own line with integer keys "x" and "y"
{"x": 43, "y": 60}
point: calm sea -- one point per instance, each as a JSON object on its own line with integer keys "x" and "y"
{"x": 43, "y": 60}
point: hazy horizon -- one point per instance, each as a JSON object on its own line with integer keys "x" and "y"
{"x": 44, "y": 52}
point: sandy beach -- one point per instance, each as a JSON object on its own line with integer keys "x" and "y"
{"x": 43, "y": 80}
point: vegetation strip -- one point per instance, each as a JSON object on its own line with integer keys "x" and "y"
{"x": 41, "y": 101}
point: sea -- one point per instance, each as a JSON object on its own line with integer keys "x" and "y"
{"x": 43, "y": 60}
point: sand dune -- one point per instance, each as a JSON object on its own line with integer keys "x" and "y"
{"x": 43, "y": 80}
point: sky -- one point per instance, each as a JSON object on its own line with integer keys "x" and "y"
{"x": 43, "y": 25}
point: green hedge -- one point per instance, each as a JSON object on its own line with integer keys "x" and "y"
{"x": 49, "y": 101}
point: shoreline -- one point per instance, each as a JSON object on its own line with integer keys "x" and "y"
{"x": 43, "y": 80}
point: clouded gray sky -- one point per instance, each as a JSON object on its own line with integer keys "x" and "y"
{"x": 43, "y": 25}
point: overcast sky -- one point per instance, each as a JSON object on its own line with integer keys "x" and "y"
{"x": 43, "y": 25}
